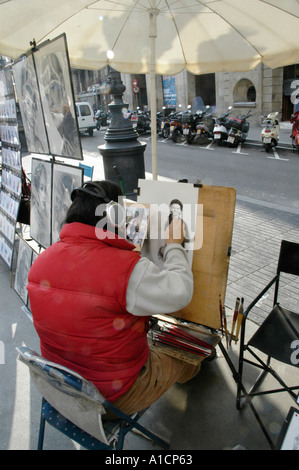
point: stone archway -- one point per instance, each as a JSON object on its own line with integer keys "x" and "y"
{"x": 244, "y": 92}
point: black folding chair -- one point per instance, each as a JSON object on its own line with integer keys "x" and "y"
{"x": 277, "y": 338}
{"x": 74, "y": 407}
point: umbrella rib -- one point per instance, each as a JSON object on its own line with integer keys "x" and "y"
{"x": 231, "y": 25}
{"x": 124, "y": 23}
{"x": 279, "y": 8}
{"x": 66, "y": 19}
{"x": 123, "y": 8}
{"x": 178, "y": 33}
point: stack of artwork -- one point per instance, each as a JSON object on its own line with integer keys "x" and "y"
{"x": 45, "y": 95}
{"x": 11, "y": 177}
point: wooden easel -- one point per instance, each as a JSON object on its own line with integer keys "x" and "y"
{"x": 209, "y": 266}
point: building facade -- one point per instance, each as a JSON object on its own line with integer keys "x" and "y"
{"x": 261, "y": 90}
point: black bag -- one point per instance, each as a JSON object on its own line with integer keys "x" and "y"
{"x": 24, "y": 208}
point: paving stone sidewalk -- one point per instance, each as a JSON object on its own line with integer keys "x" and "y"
{"x": 258, "y": 231}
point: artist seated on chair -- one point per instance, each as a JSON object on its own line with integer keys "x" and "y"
{"x": 91, "y": 296}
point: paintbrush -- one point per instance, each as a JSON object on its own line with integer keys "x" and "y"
{"x": 234, "y": 318}
{"x": 239, "y": 320}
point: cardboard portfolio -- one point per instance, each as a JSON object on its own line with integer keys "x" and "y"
{"x": 210, "y": 264}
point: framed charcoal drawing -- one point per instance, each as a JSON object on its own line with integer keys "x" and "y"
{"x": 24, "y": 261}
{"x": 65, "y": 179}
{"x": 57, "y": 97}
{"x": 30, "y": 105}
{"x": 41, "y": 199}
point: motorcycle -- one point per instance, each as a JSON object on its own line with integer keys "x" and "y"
{"x": 159, "y": 120}
{"x": 239, "y": 128}
{"x": 165, "y": 124}
{"x": 101, "y": 119}
{"x": 141, "y": 121}
{"x": 176, "y": 127}
{"x": 221, "y": 128}
{"x": 295, "y": 130}
{"x": 270, "y": 131}
{"x": 190, "y": 121}
{"x": 204, "y": 129}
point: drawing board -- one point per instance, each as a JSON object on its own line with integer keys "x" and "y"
{"x": 212, "y": 230}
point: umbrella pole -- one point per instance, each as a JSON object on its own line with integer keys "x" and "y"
{"x": 153, "y": 36}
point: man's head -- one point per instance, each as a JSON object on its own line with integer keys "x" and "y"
{"x": 87, "y": 198}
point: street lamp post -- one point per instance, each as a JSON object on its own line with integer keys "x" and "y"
{"x": 122, "y": 152}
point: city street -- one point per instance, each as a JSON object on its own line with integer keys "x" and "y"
{"x": 267, "y": 178}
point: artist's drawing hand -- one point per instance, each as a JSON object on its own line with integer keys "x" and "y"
{"x": 175, "y": 232}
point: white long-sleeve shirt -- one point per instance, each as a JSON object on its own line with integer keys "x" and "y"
{"x": 151, "y": 291}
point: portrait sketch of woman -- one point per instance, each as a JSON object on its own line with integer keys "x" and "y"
{"x": 30, "y": 105}
{"x": 65, "y": 179}
{"x": 41, "y": 190}
{"x": 168, "y": 200}
{"x": 53, "y": 74}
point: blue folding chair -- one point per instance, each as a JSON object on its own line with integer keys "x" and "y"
{"x": 87, "y": 170}
{"x": 75, "y": 407}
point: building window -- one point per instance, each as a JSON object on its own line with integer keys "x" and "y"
{"x": 244, "y": 93}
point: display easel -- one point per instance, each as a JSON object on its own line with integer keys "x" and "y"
{"x": 45, "y": 95}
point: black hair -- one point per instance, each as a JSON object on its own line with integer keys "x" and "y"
{"x": 176, "y": 201}
{"x": 84, "y": 204}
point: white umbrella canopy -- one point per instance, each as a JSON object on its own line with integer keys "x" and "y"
{"x": 158, "y": 36}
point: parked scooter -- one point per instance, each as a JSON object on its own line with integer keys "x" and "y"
{"x": 190, "y": 121}
{"x": 221, "y": 128}
{"x": 270, "y": 131}
{"x": 204, "y": 129}
{"x": 159, "y": 120}
{"x": 165, "y": 124}
{"x": 176, "y": 127}
{"x": 141, "y": 121}
{"x": 295, "y": 130}
{"x": 239, "y": 128}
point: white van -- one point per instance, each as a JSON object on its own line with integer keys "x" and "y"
{"x": 85, "y": 116}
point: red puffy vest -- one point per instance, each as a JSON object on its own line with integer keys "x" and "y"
{"x": 77, "y": 290}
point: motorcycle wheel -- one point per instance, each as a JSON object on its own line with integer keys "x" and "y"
{"x": 190, "y": 139}
{"x": 98, "y": 127}
{"x": 165, "y": 132}
{"x": 202, "y": 140}
{"x": 267, "y": 147}
{"x": 176, "y": 136}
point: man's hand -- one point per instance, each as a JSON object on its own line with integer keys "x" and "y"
{"x": 175, "y": 232}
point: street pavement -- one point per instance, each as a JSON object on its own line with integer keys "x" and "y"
{"x": 199, "y": 415}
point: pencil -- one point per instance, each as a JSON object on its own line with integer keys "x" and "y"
{"x": 225, "y": 325}
{"x": 234, "y": 318}
{"x": 221, "y": 313}
{"x": 239, "y": 321}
